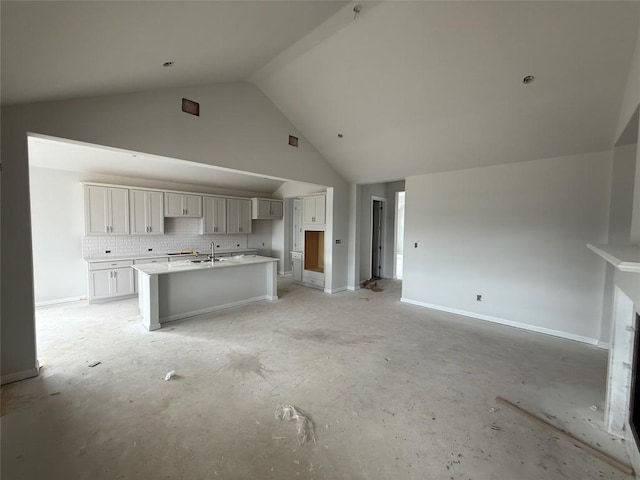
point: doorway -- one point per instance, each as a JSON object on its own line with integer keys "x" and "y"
{"x": 378, "y": 208}
{"x": 399, "y": 236}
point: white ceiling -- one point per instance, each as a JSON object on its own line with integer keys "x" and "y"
{"x": 63, "y": 49}
{"x": 421, "y": 87}
{"x": 415, "y": 87}
{"x": 80, "y": 157}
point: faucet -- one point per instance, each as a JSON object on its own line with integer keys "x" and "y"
{"x": 213, "y": 252}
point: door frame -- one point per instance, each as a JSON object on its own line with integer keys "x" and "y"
{"x": 383, "y": 227}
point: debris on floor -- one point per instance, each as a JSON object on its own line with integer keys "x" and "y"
{"x": 170, "y": 375}
{"x": 304, "y": 424}
{"x": 94, "y": 364}
{"x": 594, "y": 408}
{"x": 372, "y": 284}
{"x": 559, "y": 433}
{"x": 494, "y": 409}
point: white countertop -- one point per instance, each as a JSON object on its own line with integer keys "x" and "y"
{"x": 187, "y": 265}
{"x": 625, "y": 258}
{"x": 112, "y": 258}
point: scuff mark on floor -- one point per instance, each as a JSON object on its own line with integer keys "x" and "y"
{"x": 335, "y": 337}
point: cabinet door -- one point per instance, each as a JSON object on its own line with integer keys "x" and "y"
{"x": 100, "y": 281}
{"x": 233, "y": 215}
{"x": 320, "y": 209}
{"x": 122, "y": 281}
{"x": 245, "y": 216}
{"x": 173, "y": 205}
{"x": 138, "y": 211}
{"x": 119, "y": 211}
{"x": 219, "y": 215}
{"x": 95, "y": 210}
{"x": 276, "y": 209}
{"x": 309, "y": 210}
{"x": 192, "y": 205}
{"x": 264, "y": 208}
{"x": 214, "y": 215}
{"x": 155, "y": 213}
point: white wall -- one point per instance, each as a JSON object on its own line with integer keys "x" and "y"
{"x": 517, "y": 235}
{"x": 238, "y": 128}
{"x": 57, "y": 217}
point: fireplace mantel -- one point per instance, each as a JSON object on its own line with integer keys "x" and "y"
{"x": 625, "y": 258}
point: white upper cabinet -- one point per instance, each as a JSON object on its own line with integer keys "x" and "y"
{"x": 238, "y": 215}
{"x": 266, "y": 209}
{"x": 147, "y": 212}
{"x": 182, "y": 205}
{"x": 313, "y": 210}
{"x": 214, "y": 215}
{"x": 106, "y": 210}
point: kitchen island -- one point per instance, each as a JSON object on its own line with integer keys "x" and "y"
{"x": 171, "y": 291}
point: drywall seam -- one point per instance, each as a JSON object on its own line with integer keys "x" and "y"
{"x": 502, "y": 321}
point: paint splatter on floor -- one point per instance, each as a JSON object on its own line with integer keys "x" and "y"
{"x": 245, "y": 363}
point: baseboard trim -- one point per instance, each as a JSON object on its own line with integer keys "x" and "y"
{"x": 195, "y": 313}
{"x": 335, "y": 290}
{"x": 59, "y": 301}
{"x": 23, "y": 375}
{"x": 603, "y": 345}
{"x": 353, "y": 289}
{"x": 503, "y": 321}
{"x": 285, "y": 273}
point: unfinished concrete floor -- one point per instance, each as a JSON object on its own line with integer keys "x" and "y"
{"x": 395, "y": 391}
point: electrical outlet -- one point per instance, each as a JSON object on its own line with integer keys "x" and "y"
{"x": 415, "y": 245}
{"x": 150, "y": 249}
{"x": 107, "y": 251}
{"x": 479, "y": 298}
{"x": 263, "y": 244}
{"x": 338, "y": 241}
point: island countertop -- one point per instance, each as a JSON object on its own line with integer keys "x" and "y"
{"x": 188, "y": 265}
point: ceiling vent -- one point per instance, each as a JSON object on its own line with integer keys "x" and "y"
{"x": 190, "y": 107}
{"x": 293, "y": 141}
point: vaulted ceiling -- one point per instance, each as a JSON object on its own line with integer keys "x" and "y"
{"x": 413, "y": 87}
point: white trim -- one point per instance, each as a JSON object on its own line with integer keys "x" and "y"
{"x": 353, "y": 288}
{"x": 59, "y": 300}
{"x": 603, "y": 345}
{"x": 195, "y": 313}
{"x": 282, "y": 273}
{"x": 335, "y": 290}
{"x": 509, "y": 323}
{"x": 23, "y": 375}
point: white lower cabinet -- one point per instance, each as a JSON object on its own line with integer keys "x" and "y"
{"x": 313, "y": 279}
{"x": 111, "y": 280}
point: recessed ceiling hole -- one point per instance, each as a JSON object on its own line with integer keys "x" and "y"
{"x": 340, "y": 135}
{"x": 528, "y": 79}
{"x": 168, "y": 64}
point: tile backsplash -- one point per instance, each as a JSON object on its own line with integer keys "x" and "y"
{"x": 179, "y": 234}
